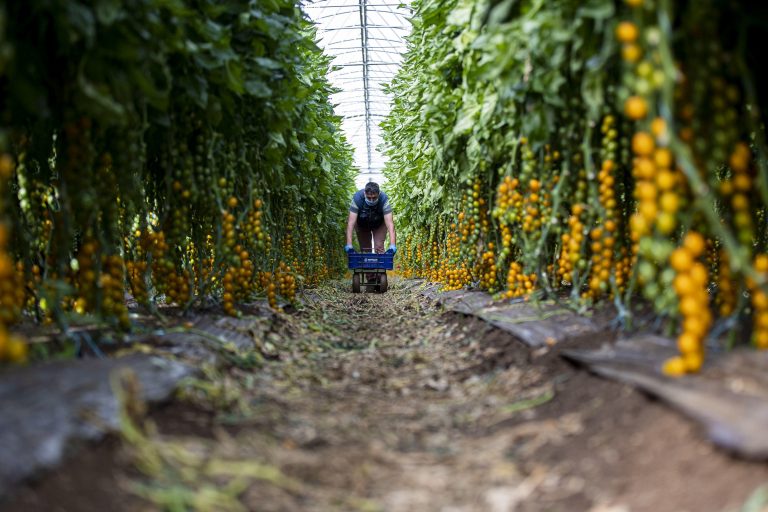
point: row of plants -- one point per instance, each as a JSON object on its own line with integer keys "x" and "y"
{"x": 180, "y": 150}
{"x": 589, "y": 152}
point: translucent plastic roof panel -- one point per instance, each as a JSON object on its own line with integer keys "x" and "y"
{"x": 366, "y": 39}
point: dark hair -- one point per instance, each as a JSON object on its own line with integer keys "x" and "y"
{"x": 372, "y": 188}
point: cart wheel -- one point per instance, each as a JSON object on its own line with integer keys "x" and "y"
{"x": 355, "y": 283}
{"x": 383, "y": 282}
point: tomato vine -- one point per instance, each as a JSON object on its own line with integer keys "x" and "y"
{"x": 618, "y": 147}
{"x": 165, "y": 147}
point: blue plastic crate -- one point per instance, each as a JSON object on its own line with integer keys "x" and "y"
{"x": 371, "y": 260}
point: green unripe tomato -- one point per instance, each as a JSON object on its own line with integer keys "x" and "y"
{"x": 646, "y": 246}
{"x": 643, "y": 86}
{"x": 646, "y": 271}
{"x": 661, "y": 250}
{"x": 652, "y": 291}
{"x": 667, "y": 276}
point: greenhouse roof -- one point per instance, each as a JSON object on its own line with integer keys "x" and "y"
{"x": 366, "y": 37}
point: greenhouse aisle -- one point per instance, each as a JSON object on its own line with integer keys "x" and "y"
{"x": 384, "y": 402}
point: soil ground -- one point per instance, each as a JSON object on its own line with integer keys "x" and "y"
{"x": 383, "y": 402}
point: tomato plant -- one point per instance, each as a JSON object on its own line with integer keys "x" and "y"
{"x": 165, "y": 147}
{"x": 587, "y": 151}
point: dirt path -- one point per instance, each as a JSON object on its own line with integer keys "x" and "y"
{"x": 382, "y": 402}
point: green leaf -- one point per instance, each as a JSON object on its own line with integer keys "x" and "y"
{"x": 109, "y": 11}
{"x": 530, "y": 403}
{"x": 462, "y": 14}
{"x": 257, "y": 88}
{"x": 597, "y": 9}
{"x": 467, "y": 117}
{"x": 156, "y": 96}
{"x": 195, "y": 87}
{"x": 98, "y": 100}
{"x": 234, "y": 76}
{"x": 82, "y": 22}
{"x": 268, "y": 63}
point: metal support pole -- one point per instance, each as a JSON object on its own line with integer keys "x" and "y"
{"x": 366, "y": 88}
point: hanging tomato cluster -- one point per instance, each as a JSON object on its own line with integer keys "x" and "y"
{"x": 590, "y": 152}
{"x": 179, "y": 151}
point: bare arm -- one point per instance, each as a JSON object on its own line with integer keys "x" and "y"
{"x": 390, "y": 223}
{"x": 351, "y": 226}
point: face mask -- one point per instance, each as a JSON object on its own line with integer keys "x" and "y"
{"x": 371, "y": 203}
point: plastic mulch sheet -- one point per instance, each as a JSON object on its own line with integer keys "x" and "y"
{"x": 535, "y": 324}
{"x": 47, "y": 408}
{"x": 210, "y": 335}
{"x": 729, "y": 398}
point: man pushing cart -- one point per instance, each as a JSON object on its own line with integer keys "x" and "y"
{"x": 370, "y": 216}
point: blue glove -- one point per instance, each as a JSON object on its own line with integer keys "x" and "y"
{"x": 349, "y": 249}
{"x": 392, "y": 249}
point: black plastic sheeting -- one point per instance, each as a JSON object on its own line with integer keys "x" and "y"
{"x": 728, "y": 398}
{"x": 535, "y": 324}
{"x": 47, "y": 409}
{"x": 50, "y": 409}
